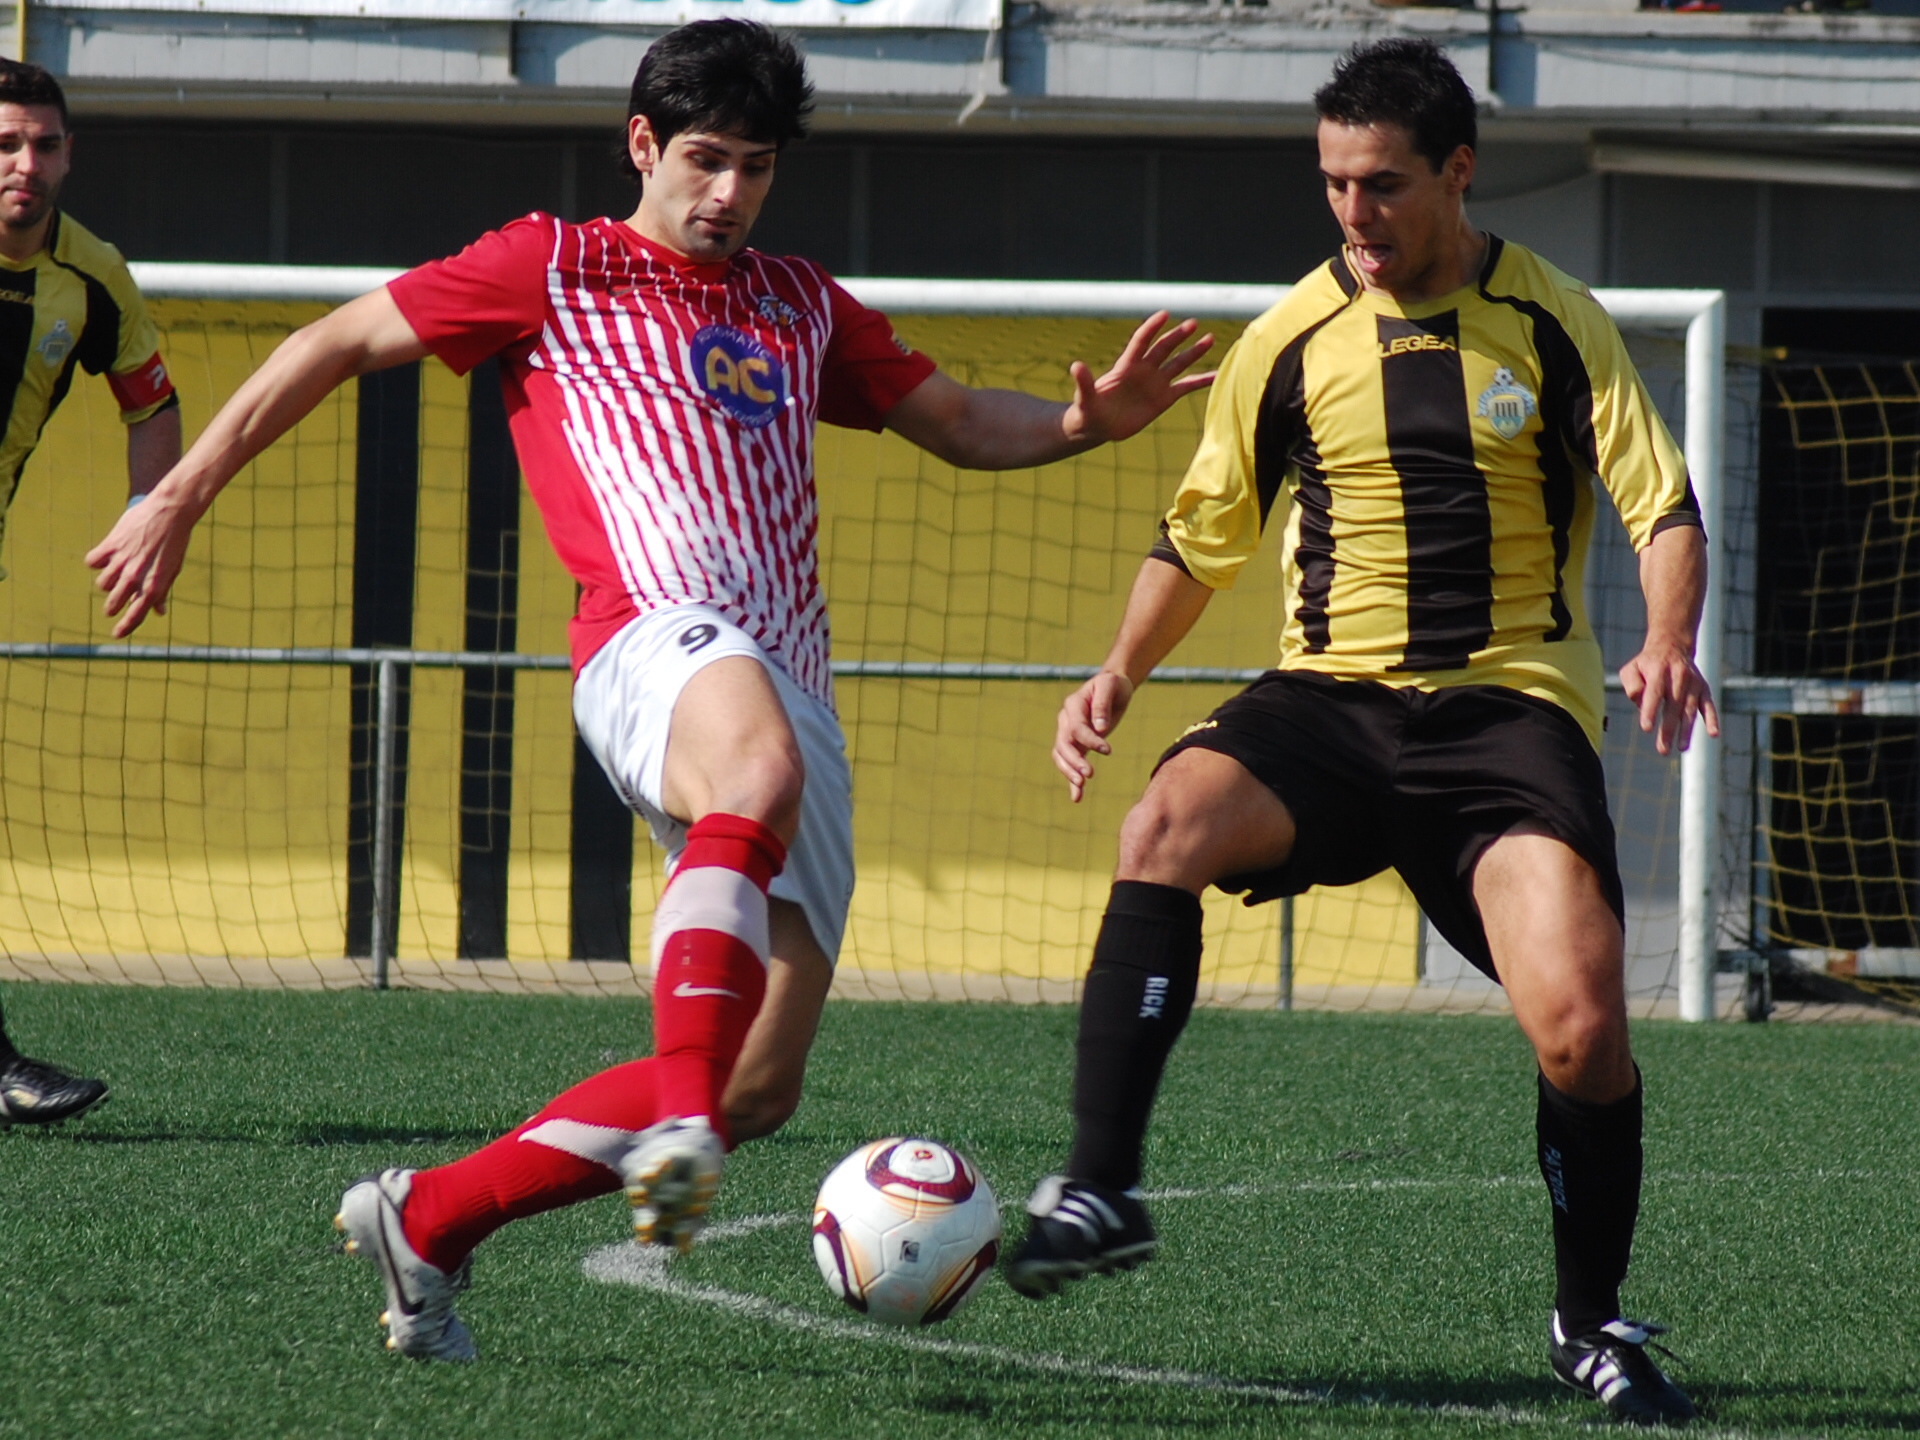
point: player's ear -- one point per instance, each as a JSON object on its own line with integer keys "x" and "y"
{"x": 1458, "y": 171}
{"x": 643, "y": 146}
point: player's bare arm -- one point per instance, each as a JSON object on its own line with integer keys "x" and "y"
{"x": 1164, "y": 605}
{"x": 1008, "y": 430}
{"x": 141, "y": 556}
{"x": 153, "y": 448}
{"x": 1662, "y": 679}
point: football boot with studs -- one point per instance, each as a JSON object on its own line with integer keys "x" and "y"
{"x": 33, "y": 1092}
{"x": 1612, "y": 1366}
{"x": 419, "y": 1318}
{"x": 671, "y": 1174}
{"x": 1078, "y": 1229}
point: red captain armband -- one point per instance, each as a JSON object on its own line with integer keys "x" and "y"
{"x": 143, "y": 388}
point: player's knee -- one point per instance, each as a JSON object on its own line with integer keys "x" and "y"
{"x": 767, "y": 785}
{"x": 1159, "y": 840}
{"x": 1585, "y": 1050}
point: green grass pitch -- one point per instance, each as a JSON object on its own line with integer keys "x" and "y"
{"x": 1357, "y": 1245}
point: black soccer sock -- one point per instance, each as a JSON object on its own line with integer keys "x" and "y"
{"x": 1139, "y": 992}
{"x": 7, "y": 1052}
{"x": 1590, "y": 1159}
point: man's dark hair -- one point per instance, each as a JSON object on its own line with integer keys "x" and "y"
{"x": 1404, "y": 82}
{"x": 25, "y": 84}
{"x": 734, "y": 77}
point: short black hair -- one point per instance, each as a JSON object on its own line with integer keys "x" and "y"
{"x": 1405, "y": 82}
{"x": 733, "y": 77}
{"x": 22, "y": 83}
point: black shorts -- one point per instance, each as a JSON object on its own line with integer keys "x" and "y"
{"x": 1378, "y": 776}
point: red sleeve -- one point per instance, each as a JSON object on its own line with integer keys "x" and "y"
{"x": 868, "y": 369}
{"x": 477, "y": 303}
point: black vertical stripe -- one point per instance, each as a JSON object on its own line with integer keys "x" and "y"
{"x": 1443, "y": 494}
{"x": 386, "y": 515}
{"x": 1568, "y": 452}
{"x": 1283, "y": 439}
{"x": 602, "y": 913}
{"x": 97, "y": 345}
{"x": 16, "y": 340}
{"x": 493, "y": 598}
{"x": 1314, "y": 555}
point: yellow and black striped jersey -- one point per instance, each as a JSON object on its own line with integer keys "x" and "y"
{"x": 72, "y": 303}
{"x": 1430, "y": 467}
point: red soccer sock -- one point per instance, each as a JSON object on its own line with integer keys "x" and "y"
{"x": 710, "y": 957}
{"x": 710, "y": 981}
{"x": 567, "y": 1153}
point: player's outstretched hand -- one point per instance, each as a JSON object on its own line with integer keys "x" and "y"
{"x": 1143, "y": 383}
{"x": 1087, "y": 717}
{"x": 139, "y": 560}
{"x": 1671, "y": 694}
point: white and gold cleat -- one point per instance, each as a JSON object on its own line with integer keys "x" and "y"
{"x": 419, "y": 1318}
{"x": 672, "y": 1173}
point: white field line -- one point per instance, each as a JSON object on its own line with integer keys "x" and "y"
{"x": 629, "y": 1264}
{"x": 647, "y": 1269}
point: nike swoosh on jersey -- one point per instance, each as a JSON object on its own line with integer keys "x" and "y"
{"x": 684, "y": 991}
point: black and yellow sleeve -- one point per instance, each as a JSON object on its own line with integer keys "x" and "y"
{"x": 1255, "y": 416}
{"x": 1632, "y": 451}
{"x": 137, "y": 376}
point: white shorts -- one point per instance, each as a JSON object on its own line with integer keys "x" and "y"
{"x": 623, "y": 707}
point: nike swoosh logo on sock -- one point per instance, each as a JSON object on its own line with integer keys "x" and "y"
{"x": 684, "y": 991}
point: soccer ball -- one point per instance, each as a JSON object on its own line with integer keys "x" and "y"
{"x": 905, "y": 1230}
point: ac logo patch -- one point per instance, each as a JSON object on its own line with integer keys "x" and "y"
{"x": 740, "y": 374}
{"x": 1506, "y": 404}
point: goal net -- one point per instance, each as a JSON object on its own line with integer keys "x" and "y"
{"x": 1830, "y": 866}
{"x": 355, "y": 758}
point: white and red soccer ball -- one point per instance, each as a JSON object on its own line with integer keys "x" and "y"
{"x": 905, "y": 1230}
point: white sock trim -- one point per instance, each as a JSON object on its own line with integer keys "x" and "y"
{"x": 602, "y": 1144}
{"x": 712, "y": 897}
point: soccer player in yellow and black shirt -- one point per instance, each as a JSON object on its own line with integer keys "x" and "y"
{"x": 66, "y": 301}
{"x": 1420, "y": 424}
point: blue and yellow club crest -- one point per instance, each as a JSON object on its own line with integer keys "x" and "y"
{"x": 56, "y": 343}
{"x": 1506, "y": 404}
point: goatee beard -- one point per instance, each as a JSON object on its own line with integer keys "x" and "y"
{"x": 32, "y": 217}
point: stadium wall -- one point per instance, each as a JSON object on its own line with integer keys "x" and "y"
{"x": 205, "y": 810}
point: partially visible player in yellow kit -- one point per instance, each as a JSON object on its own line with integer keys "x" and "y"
{"x": 1420, "y": 424}
{"x": 66, "y": 302}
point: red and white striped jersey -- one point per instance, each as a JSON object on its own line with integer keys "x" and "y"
{"x": 663, "y": 411}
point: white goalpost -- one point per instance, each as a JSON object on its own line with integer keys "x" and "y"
{"x": 1699, "y": 314}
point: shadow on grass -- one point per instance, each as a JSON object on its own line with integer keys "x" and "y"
{"x": 1800, "y": 1409}
{"x": 308, "y": 1137}
{"x": 1755, "y": 1409}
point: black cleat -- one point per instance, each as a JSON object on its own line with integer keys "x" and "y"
{"x": 1612, "y": 1366}
{"x": 1079, "y": 1229}
{"x": 35, "y": 1093}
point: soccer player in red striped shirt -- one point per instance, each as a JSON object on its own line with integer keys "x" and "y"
{"x": 663, "y": 383}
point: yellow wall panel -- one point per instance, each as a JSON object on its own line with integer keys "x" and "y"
{"x": 202, "y": 809}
